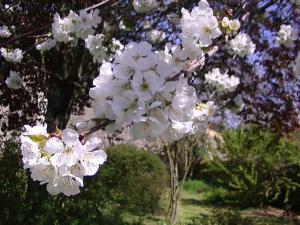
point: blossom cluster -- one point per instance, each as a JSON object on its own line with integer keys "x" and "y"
{"x": 4, "y": 32}
{"x": 231, "y": 26}
{"x": 286, "y": 35}
{"x": 94, "y": 44}
{"x": 137, "y": 91}
{"x": 222, "y": 82}
{"x": 156, "y": 36}
{"x": 14, "y": 56}
{"x": 176, "y": 56}
{"x": 199, "y": 27}
{"x": 14, "y": 81}
{"x": 242, "y": 45}
{"x": 75, "y": 26}
{"x": 60, "y": 160}
{"x": 143, "y": 6}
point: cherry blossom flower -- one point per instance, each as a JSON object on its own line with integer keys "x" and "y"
{"x": 60, "y": 161}
{"x": 4, "y": 32}
{"x": 201, "y": 25}
{"x": 222, "y": 82}
{"x": 286, "y": 35}
{"x": 13, "y": 56}
{"x": 242, "y": 45}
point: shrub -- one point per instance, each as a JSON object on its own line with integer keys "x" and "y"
{"x": 23, "y": 201}
{"x": 257, "y": 168}
{"x": 134, "y": 178}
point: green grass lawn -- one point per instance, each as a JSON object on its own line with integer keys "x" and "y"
{"x": 194, "y": 202}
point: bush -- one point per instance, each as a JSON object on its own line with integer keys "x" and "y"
{"x": 257, "y": 168}
{"x": 134, "y": 178}
{"x": 23, "y": 201}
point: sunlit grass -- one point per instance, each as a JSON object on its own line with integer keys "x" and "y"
{"x": 197, "y": 198}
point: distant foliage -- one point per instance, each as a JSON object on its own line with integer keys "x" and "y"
{"x": 211, "y": 194}
{"x": 257, "y": 168}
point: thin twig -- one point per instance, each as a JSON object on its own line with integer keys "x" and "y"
{"x": 96, "y": 5}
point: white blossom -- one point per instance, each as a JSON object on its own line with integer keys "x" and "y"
{"x": 75, "y": 26}
{"x": 234, "y": 24}
{"x": 225, "y": 22}
{"x": 69, "y": 154}
{"x": 14, "y": 81}
{"x": 144, "y": 6}
{"x": 43, "y": 171}
{"x": 286, "y": 35}
{"x": 200, "y": 26}
{"x": 242, "y": 45}
{"x": 68, "y": 181}
{"x": 13, "y": 56}
{"x": 91, "y": 158}
{"x": 116, "y": 45}
{"x": 156, "y": 36}
{"x": 177, "y": 56}
{"x": 60, "y": 161}
{"x": 94, "y": 44}
{"x": 222, "y": 82}
{"x": 35, "y": 130}
{"x": 46, "y": 45}
{"x": 4, "y": 32}
{"x": 62, "y": 28}
{"x": 136, "y": 90}
{"x": 203, "y": 111}
{"x": 30, "y": 152}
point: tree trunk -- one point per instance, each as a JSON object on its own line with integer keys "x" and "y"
{"x": 61, "y": 97}
{"x": 174, "y": 187}
{"x": 60, "y": 102}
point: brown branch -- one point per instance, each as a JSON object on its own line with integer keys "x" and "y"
{"x": 96, "y": 5}
{"x": 100, "y": 125}
{"x": 43, "y": 28}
